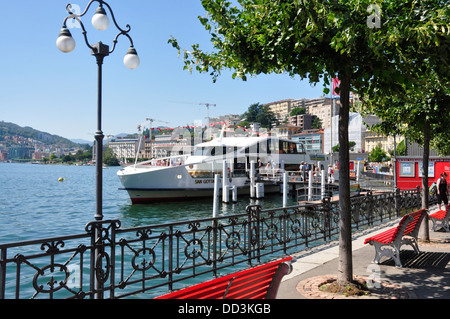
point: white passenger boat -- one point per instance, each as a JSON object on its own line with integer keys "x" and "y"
{"x": 192, "y": 176}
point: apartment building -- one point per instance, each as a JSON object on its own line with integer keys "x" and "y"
{"x": 230, "y": 119}
{"x": 125, "y": 147}
{"x": 374, "y": 139}
{"x": 170, "y": 145}
{"x": 323, "y": 108}
{"x": 312, "y": 140}
{"x": 302, "y": 121}
{"x": 283, "y": 108}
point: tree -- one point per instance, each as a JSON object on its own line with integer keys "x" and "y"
{"x": 245, "y": 124}
{"x": 317, "y": 123}
{"x": 378, "y": 155}
{"x": 351, "y": 145}
{"x": 400, "y": 149}
{"x": 418, "y": 115}
{"x": 297, "y": 111}
{"x": 109, "y": 158}
{"x": 68, "y": 158}
{"x": 261, "y": 114}
{"x": 317, "y": 40}
{"x": 417, "y": 108}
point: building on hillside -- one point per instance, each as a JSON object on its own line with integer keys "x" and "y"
{"x": 19, "y": 152}
{"x": 124, "y": 147}
{"x": 283, "y": 108}
{"x": 311, "y": 139}
{"x": 170, "y": 145}
{"x": 302, "y": 121}
{"x": 285, "y": 131}
{"x": 374, "y": 139}
{"x": 230, "y": 119}
{"x": 323, "y": 109}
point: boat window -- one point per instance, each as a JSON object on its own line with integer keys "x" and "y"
{"x": 263, "y": 147}
{"x": 198, "y": 151}
{"x": 274, "y": 146}
{"x": 203, "y": 151}
{"x": 213, "y": 150}
{"x": 288, "y": 147}
{"x": 252, "y": 149}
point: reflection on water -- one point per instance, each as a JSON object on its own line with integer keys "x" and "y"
{"x": 34, "y": 204}
{"x": 161, "y": 213}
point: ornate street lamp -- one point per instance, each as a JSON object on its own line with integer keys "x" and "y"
{"x": 66, "y": 44}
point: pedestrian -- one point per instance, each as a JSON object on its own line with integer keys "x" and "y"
{"x": 260, "y": 167}
{"x": 442, "y": 190}
{"x": 330, "y": 173}
{"x": 317, "y": 173}
{"x": 302, "y": 171}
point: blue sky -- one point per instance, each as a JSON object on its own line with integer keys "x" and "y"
{"x": 56, "y": 92}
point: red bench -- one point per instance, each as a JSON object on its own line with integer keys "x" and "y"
{"x": 440, "y": 218}
{"x": 388, "y": 243}
{"x": 260, "y": 282}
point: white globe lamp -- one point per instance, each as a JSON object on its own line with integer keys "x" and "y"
{"x": 65, "y": 42}
{"x": 131, "y": 59}
{"x": 100, "y": 20}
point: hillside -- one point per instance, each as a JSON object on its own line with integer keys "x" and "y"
{"x": 13, "y": 130}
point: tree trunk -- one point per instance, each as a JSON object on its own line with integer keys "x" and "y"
{"x": 345, "y": 268}
{"x": 424, "y": 233}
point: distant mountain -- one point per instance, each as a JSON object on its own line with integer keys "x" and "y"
{"x": 11, "y": 129}
{"x": 105, "y": 140}
{"x": 80, "y": 141}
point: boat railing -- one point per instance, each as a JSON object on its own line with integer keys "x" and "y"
{"x": 176, "y": 160}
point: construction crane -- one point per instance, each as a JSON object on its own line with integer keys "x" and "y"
{"x": 107, "y": 139}
{"x": 207, "y": 109}
{"x": 150, "y": 130}
{"x": 154, "y": 120}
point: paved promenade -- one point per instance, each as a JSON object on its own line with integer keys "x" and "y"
{"x": 423, "y": 276}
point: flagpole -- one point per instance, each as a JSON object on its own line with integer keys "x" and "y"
{"x": 331, "y": 124}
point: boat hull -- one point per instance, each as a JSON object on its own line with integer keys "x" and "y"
{"x": 167, "y": 180}
{"x": 142, "y": 196}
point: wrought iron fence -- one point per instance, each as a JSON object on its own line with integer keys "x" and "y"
{"x": 142, "y": 262}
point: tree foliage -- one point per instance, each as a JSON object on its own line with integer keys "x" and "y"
{"x": 378, "y": 155}
{"x": 297, "y": 111}
{"x": 318, "y": 40}
{"x": 317, "y": 123}
{"x": 261, "y": 114}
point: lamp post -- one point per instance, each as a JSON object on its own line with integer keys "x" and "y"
{"x": 66, "y": 44}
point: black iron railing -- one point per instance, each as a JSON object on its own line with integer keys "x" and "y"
{"x": 147, "y": 261}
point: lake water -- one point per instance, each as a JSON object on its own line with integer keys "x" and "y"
{"x": 34, "y": 204}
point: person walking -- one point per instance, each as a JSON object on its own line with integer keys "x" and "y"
{"x": 330, "y": 174}
{"x": 442, "y": 190}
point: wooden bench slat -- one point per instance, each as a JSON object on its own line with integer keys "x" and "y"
{"x": 251, "y": 286}
{"x": 208, "y": 292}
{"x": 383, "y": 237}
{"x": 252, "y": 283}
{"x": 251, "y": 292}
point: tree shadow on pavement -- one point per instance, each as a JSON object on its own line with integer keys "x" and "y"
{"x": 426, "y": 273}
